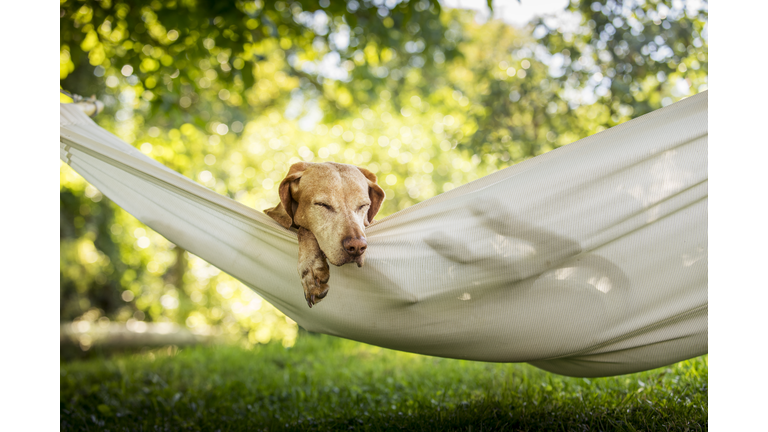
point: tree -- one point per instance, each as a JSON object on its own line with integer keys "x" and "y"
{"x": 189, "y": 58}
{"x": 231, "y": 94}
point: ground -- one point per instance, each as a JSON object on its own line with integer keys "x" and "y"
{"x": 325, "y": 383}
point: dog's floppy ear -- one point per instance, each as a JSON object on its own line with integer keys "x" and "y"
{"x": 286, "y": 190}
{"x": 375, "y": 193}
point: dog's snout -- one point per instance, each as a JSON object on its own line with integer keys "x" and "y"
{"x": 355, "y": 246}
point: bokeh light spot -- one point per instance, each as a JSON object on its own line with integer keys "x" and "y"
{"x": 143, "y": 242}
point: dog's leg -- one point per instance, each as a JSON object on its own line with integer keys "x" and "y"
{"x": 313, "y": 268}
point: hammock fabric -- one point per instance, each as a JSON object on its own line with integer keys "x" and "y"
{"x": 590, "y": 260}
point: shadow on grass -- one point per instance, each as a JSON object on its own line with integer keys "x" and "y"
{"x": 485, "y": 416}
{"x": 325, "y": 383}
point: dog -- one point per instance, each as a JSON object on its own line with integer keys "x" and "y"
{"x": 330, "y": 204}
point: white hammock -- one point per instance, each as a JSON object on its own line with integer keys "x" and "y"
{"x": 590, "y": 260}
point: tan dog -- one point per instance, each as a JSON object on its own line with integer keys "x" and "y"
{"x": 330, "y": 204}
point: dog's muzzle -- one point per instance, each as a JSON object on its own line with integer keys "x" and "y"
{"x": 354, "y": 246}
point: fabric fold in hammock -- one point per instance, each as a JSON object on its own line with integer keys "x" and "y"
{"x": 590, "y": 260}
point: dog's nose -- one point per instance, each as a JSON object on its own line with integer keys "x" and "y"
{"x": 354, "y": 246}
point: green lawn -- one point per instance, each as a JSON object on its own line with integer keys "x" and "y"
{"x": 325, "y": 383}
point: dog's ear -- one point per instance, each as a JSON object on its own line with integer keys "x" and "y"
{"x": 375, "y": 193}
{"x": 288, "y": 188}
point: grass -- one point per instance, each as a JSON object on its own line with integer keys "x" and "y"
{"x": 325, "y": 383}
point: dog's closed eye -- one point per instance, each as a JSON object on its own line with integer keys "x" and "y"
{"x": 362, "y": 207}
{"x": 324, "y": 205}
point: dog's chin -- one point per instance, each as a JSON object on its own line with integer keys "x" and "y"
{"x": 340, "y": 260}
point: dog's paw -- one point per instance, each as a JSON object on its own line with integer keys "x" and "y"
{"x": 314, "y": 278}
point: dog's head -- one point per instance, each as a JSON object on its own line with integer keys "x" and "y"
{"x": 335, "y": 202}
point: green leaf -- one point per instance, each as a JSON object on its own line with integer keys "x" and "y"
{"x": 247, "y": 72}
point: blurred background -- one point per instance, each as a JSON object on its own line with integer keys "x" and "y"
{"x": 428, "y": 95}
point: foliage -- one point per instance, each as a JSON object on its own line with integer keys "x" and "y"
{"x": 635, "y": 55}
{"x": 231, "y": 94}
{"x": 325, "y": 383}
{"x": 186, "y": 56}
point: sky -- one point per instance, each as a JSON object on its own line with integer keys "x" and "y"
{"x": 519, "y": 13}
{"x": 511, "y": 11}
